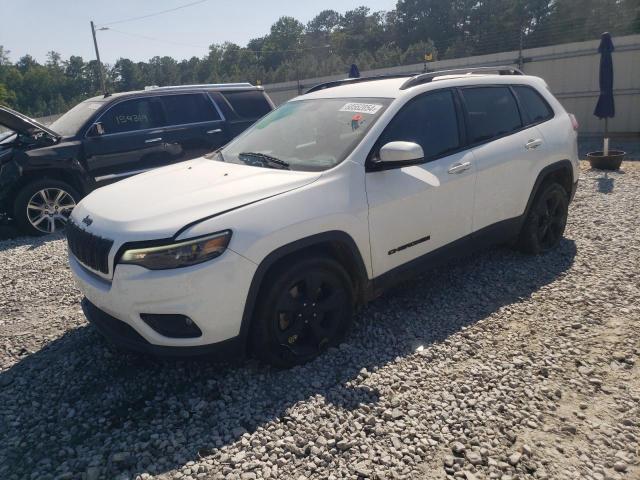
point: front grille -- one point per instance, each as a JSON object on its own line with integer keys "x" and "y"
{"x": 89, "y": 249}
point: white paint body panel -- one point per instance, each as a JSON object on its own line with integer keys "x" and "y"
{"x": 413, "y": 202}
{"x": 506, "y": 171}
{"x": 159, "y": 202}
{"x": 212, "y": 294}
{"x": 267, "y": 209}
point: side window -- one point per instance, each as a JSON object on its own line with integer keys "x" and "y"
{"x": 534, "y": 108}
{"x": 250, "y": 104}
{"x": 492, "y": 112}
{"x": 430, "y": 121}
{"x": 189, "y": 108}
{"x": 132, "y": 115}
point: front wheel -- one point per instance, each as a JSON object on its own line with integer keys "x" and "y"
{"x": 304, "y": 308}
{"x": 546, "y": 221}
{"x": 44, "y": 206}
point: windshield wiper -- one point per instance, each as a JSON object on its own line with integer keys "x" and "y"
{"x": 267, "y": 158}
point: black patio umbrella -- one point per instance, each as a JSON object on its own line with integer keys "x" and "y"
{"x": 353, "y": 71}
{"x": 605, "y": 108}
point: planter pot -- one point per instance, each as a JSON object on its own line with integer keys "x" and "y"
{"x": 606, "y": 162}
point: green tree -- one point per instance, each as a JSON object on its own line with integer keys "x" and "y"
{"x": 26, "y": 63}
{"x": 283, "y": 42}
{"x": 127, "y": 74}
{"x": 4, "y": 57}
{"x": 53, "y": 60}
{"x": 7, "y": 97}
{"x": 420, "y": 20}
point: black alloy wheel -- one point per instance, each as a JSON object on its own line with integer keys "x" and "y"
{"x": 546, "y": 221}
{"x": 552, "y": 219}
{"x": 306, "y": 310}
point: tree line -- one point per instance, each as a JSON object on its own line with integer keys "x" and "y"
{"x": 328, "y": 44}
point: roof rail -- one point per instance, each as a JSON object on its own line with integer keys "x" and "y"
{"x": 201, "y": 85}
{"x": 348, "y": 81}
{"x": 428, "y": 77}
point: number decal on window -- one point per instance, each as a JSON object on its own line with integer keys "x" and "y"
{"x": 127, "y": 119}
{"x": 370, "y": 108}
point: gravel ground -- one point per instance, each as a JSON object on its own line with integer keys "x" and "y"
{"x": 501, "y": 366}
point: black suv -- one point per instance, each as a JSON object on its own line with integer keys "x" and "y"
{"x": 45, "y": 171}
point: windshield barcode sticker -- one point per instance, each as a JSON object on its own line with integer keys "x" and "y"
{"x": 369, "y": 108}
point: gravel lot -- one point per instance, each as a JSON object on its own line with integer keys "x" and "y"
{"x": 501, "y": 366}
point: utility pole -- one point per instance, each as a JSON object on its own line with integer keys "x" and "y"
{"x": 95, "y": 44}
{"x": 297, "y": 73}
{"x": 520, "y": 47}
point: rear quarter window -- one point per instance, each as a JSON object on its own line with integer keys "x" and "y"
{"x": 251, "y": 104}
{"x": 535, "y": 109}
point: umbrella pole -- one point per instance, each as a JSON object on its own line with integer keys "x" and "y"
{"x": 605, "y": 149}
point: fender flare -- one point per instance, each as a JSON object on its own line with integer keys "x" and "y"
{"x": 544, "y": 173}
{"x": 333, "y": 236}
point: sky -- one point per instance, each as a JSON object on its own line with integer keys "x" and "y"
{"x": 38, "y": 26}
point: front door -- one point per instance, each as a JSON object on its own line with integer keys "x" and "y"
{"x": 416, "y": 209}
{"x": 133, "y": 141}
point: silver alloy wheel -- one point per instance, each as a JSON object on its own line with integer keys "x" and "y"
{"x": 49, "y": 209}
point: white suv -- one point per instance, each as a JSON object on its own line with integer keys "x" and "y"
{"x": 269, "y": 244}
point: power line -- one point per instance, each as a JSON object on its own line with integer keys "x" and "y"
{"x": 241, "y": 49}
{"x": 131, "y": 19}
{"x": 153, "y": 39}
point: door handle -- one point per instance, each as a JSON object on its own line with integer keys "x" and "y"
{"x": 533, "y": 143}
{"x": 153, "y": 140}
{"x": 216, "y": 130}
{"x": 459, "y": 167}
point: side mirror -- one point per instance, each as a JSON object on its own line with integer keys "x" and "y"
{"x": 96, "y": 130}
{"x": 401, "y": 153}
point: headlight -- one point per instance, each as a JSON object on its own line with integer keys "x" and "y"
{"x": 179, "y": 254}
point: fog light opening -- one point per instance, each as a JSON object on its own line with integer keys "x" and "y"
{"x": 172, "y": 325}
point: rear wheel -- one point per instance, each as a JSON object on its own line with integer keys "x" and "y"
{"x": 44, "y": 206}
{"x": 546, "y": 221}
{"x": 304, "y": 308}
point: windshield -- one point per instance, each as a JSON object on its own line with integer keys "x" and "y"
{"x": 308, "y": 135}
{"x": 69, "y": 123}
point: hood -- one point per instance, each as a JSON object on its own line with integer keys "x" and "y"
{"x": 158, "y": 203}
{"x": 21, "y": 123}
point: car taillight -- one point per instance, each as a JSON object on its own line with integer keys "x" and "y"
{"x": 574, "y": 122}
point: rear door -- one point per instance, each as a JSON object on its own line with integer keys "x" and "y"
{"x": 132, "y": 141}
{"x": 194, "y": 126}
{"x": 506, "y": 152}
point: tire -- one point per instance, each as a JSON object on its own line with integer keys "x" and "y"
{"x": 305, "y": 307}
{"x": 43, "y": 206}
{"x": 546, "y": 221}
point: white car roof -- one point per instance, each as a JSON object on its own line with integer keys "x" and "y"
{"x": 387, "y": 88}
{"x": 390, "y": 87}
